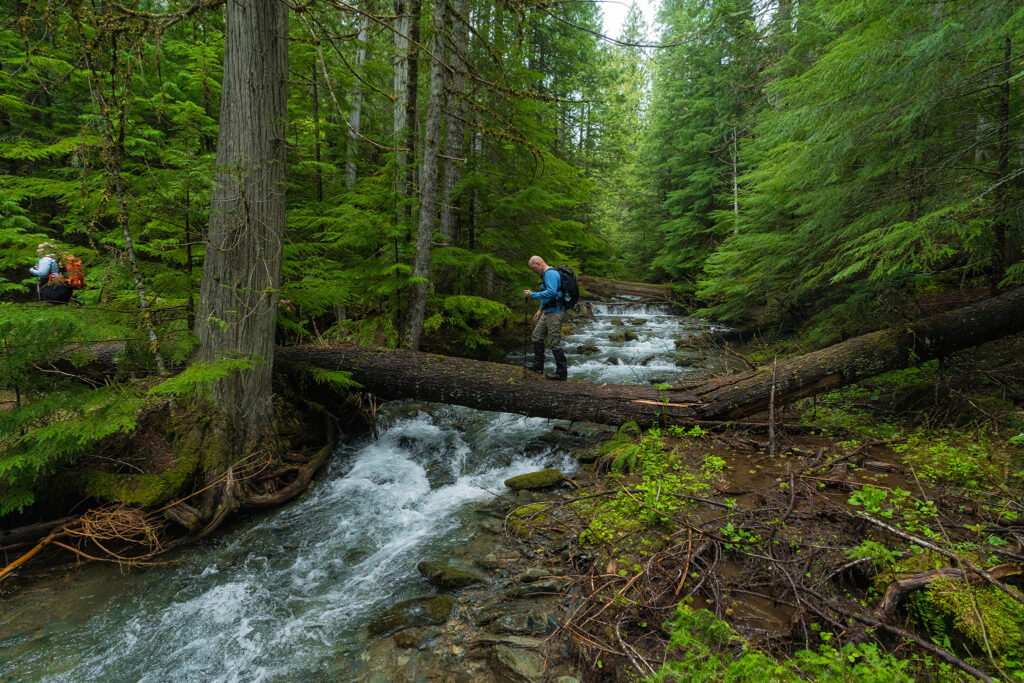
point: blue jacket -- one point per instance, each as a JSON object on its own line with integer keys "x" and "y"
{"x": 47, "y": 266}
{"x": 550, "y": 298}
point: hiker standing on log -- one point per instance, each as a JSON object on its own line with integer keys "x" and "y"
{"x": 548, "y": 318}
{"x": 49, "y": 286}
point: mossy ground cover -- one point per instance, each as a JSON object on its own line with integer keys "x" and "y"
{"x": 881, "y": 541}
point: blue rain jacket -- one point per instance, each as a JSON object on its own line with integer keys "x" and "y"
{"x": 551, "y": 300}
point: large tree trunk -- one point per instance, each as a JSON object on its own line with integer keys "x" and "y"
{"x": 453, "y": 144}
{"x": 241, "y": 275}
{"x": 428, "y": 194}
{"x": 492, "y": 386}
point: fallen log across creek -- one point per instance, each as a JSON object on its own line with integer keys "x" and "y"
{"x": 400, "y": 373}
{"x": 642, "y": 292}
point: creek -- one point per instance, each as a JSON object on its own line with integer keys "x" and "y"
{"x": 286, "y": 595}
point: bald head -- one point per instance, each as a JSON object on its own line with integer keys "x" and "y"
{"x": 537, "y": 265}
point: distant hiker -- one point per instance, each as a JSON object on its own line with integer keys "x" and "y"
{"x": 49, "y": 286}
{"x": 548, "y": 319}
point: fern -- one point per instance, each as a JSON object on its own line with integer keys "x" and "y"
{"x": 198, "y": 373}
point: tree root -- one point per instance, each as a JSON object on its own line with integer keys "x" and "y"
{"x": 295, "y": 487}
{"x": 116, "y": 524}
{"x": 126, "y": 527}
{"x": 901, "y": 587}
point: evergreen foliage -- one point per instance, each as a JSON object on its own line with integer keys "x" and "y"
{"x": 875, "y": 149}
{"x": 108, "y": 130}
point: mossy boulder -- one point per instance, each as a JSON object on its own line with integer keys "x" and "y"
{"x": 415, "y": 612}
{"x": 617, "y": 321}
{"x": 638, "y": 321}
{"x": 535, "y": 480}
{"x": 624, "y": 336}
{"x": 587, "y": 349}
{"x": 447, "y": 578}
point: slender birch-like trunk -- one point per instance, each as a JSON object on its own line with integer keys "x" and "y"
{"x": 356, "y": 112}
{"x": 428, "y": 194}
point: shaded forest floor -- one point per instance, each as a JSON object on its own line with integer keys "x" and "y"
{"x": 883, "y": 539}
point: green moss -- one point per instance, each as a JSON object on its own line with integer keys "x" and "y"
{"x": 146, "y": 490}
{"x": 535, "y": 480}
{"x": 619, "y": 522}
{"x": 522, "y": 521}
{"x": 980, "y": 613}
{"x": 703, "y": 647}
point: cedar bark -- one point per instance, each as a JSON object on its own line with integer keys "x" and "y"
{"x": 241, "y": 275}
{"x": 401, "y": 373}
{"x": 428, "y": 194}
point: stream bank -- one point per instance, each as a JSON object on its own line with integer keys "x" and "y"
{"x": 872, "y": 534}
{"x": 288, "y": 594}
{"x": 676, "y": 526}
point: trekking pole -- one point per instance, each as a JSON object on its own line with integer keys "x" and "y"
{"x": 526, "y": 329}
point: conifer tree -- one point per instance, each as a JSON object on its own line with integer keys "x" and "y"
{"x": 241, "y": 274}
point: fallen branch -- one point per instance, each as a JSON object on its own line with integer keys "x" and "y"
{"x": 899, "y": 588}
{"x": 1012, "y": 592}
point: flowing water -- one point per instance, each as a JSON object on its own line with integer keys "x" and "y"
{"x": 285, "y": 595}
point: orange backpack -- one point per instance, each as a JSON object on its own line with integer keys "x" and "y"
{"x": 73, "y": 270}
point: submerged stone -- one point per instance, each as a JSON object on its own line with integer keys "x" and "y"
{"x": 535, "y": 480}
{"x": 415, "y": 612}
{"x": 587, "y": 349}
{"x": 552, "y": 586}
{"x": 515, "y": 665}
{"x": 537, "y": 573}
{"x": 524, "y": 624}
{"x": 446, "y": 578}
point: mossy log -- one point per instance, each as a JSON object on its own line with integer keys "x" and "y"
{"x": 606, "y": 289}
{"x": 398, "y": 373}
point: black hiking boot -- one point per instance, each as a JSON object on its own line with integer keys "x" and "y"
{"x": 561, "y": 366}
{"x": 538, "y": 358}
